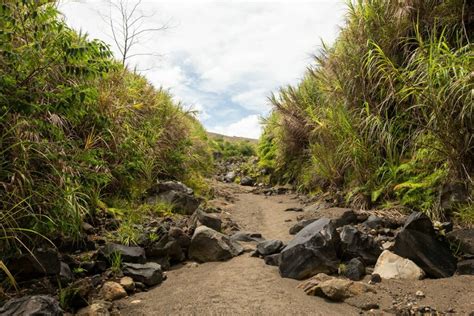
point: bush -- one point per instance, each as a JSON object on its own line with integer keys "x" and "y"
{"x": 386, "y": 114}
{"x": 77, "y": 128}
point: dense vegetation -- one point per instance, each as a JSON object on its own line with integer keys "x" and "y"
{"x": 79, "y": 132}
{"x": 227, "y": 147}
{"x": 385, "y": 116}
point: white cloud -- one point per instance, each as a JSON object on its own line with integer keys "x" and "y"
{"x": 246, "y": 127}
{"x": 226, "y": 56}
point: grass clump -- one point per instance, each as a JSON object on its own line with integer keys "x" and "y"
{"x": 385, "y": 115}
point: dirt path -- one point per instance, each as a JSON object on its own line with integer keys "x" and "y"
{"x": 243, "y": 285}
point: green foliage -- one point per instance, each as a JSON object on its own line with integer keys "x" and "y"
{"x": 386, "y": 114}
{"x": 232, "y": 149}
{"x": 116, "y": 262}
{"x": 77, "y": 128}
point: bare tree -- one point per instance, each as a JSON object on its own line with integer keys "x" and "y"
{"x": 128, "y": 25}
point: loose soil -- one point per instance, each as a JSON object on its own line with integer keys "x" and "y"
{"x": 246, "y": 286}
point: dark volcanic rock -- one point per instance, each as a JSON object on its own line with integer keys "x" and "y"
{"x": 295, "y": 229}
{"x": 166, "y": 247}
{"x": 128, "y": 254}
{"x": 210, "y": 245}
{"x": 270, "y": 247}
{"x": 65, "y": 274}
{"x": 173, "y": 192}
{"x": 247, "y": 181}
{"x": 273, "y": 260}
{"x": 312, "y": 251}
{"x": 466, "y": 267}
{"x": 463, "y": 239}
{"x": 339, "y": 216}
{"x": 355, "y": 243}
{"x": 418, "y": 242}
{"x": 42, "y": 262}
{"x": 32, "y": 305}
{"x": 354, "y": 270}
{"x": 207, "y": 219}
{"x": 247, "y": 236}
{"x": 149, "y": 273}
{"x": 374, "y": 222}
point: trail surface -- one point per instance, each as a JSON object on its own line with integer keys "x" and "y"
{"x": 243, "y": 285}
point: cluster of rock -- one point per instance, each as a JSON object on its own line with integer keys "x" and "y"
{"x": 340, "y": 241}
{"x": 102, "y": 271}
{"x": 231, "y": 170}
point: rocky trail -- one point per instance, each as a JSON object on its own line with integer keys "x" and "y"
{"x": 245, "y": 285}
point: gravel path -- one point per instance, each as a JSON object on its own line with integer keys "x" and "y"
{"x": 243, "y": 285}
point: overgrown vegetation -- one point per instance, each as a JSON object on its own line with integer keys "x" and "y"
{"x": 78, "y": 130}
{"x": 385, "y": 115}
{"x": 226, "y": 149}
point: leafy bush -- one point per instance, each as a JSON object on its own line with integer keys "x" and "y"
{"x": 78, "y": 129}
{"x": 386, "y": 114}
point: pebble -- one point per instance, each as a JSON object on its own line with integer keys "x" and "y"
{"x": 420, "y": 294}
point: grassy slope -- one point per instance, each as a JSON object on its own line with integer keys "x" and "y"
{"x": 385, "y": 116}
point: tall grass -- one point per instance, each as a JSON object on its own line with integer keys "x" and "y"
{"x": 78, "y": 129}
{"x": 385, "y": 115}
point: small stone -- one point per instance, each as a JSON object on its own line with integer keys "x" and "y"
{"x": 420, "y": 294}
{"x": 112, "y": 291}
{"x": 127, "y": 283}
{"x": 375, "y": 278}
{"x": 193, "y": 265}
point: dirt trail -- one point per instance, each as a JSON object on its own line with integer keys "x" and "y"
{"x": 243, "y": 285}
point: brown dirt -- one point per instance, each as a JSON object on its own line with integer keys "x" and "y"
{"x": 246, "y": 286}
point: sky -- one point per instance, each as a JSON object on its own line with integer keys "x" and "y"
{"x": 221, "y": 58}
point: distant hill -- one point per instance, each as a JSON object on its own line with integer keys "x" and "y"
{"x": 232, "y": 138}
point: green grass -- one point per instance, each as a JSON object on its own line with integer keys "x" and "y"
{"x": 385, "y": 115}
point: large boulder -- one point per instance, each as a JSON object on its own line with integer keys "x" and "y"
{"x": 41, "y": 262}
{"x": 209, "y": 245}
{"x": 127, "y": 253}
{"x": 149, "y": 273}
{"x": 355, "y": 243}
{"x": 418, "y": 242}
{"x": 32, "y": 305}
{"x": 175, "y": 193}
{"x": 269, "y": 247}
{"x": 463, "y": 240}
{"x": 392, "y": 266}
{"x": 207, "y": 219}
{"x": 166, "y": 247}
{"x": 313, "y": 250}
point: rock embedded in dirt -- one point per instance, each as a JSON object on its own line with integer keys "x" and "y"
{"x": 338, "y": 290}
{"x": 41, "y": 262}
{"x": 294, "y": 209}
{"x": 32, "y": 305}
{"x": 355, "y": 243}
{"x": 209, "y": 245}
{"x": 418, "y": 242}
{"x": 112, "y": 291}
{"x": 354, "y": 270}
{"x": 127, "y": 253}
{"x": 149, "y": 273}
{"x": 272, "y": 260}
{"x": 463, "y": 240}
{"x": 270, "y": 247}
{"x": 97, "y": 308}
{"x": 246, "y": 236}
{"x": 312, "y": 251}
{"x": 392, "y": 266}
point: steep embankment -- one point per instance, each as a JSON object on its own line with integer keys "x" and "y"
{"x": 385, "y": 116}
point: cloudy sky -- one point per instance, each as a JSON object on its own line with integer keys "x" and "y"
{"x": 222, "y": 58}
